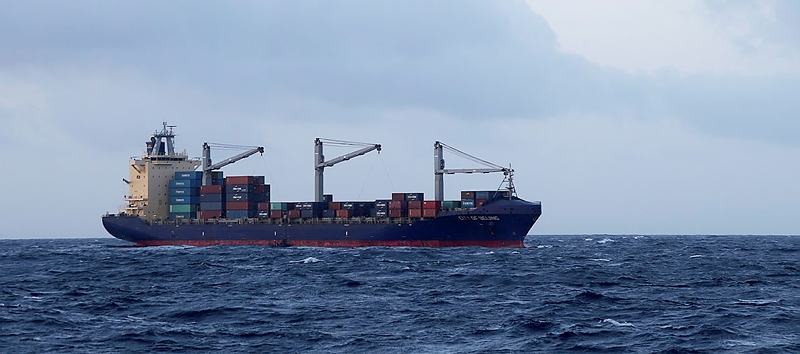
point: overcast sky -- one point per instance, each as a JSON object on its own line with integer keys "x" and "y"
{"x": 625, "y": 116}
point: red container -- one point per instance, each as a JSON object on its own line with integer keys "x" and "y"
{"x": 210, "y": 214}
{"x": 334, "y": 206}
{"x": 239, "y": 205}
{"x": 415, "y": 204}
{"x": 342, "y": 213}
{"x": 479, "y": 203}
{"x": 430, "y": 213}
{"x": 217, "y": 189}
{"x": 415, "y": 213}
{"x": 263, "y": 206}
{"x": 467, "y": 195}
{"x": 432, "y": 204}
{"x": 262, "y": 188}
{"x": 398, "y": 204}
{"x": 395, "y": 213}
{"x": 276, "y": 214}
{"x": 244, "y": 180}
{"x": 398, "y": 196}
{"x": 293, "y": 214}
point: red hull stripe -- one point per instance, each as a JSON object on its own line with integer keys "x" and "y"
{"x": 335, "y": 243}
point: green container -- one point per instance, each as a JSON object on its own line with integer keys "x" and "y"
{"x": 182, "y": 208}
{"x": 451, "y": 204}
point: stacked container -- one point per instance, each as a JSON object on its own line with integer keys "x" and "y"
{"x": 311, "y": 209}
{"x": 476, "y": 199}
{"x": 356, "y": 209}
{"x": 212, "y": 201}
{"x": 280, "y": 209}
{"x": 398, "y": 206}
{"x": 243, "y": 195}
{"x": 431, "y": 208}
{"x": 415, "y": 203}
{"x": 184, "y": 191}
{"x": 382, "y": 208}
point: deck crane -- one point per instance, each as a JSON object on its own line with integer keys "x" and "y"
{"x": 320, "y": 163}
{"x": 439, "y": 169}
{"x": 208, "y": 167}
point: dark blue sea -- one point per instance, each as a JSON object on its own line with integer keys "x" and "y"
{"x": 621, "y": 294}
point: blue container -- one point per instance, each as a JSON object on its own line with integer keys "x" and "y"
{"x": 484, "y": 195}
{"x": 241, "y": 214}
{"x": 382, "y": 203}
{"x": 329, "y": 213}
{"x": 310, "y": 213}
{"x": 184, "y": 199}
{"x": 207, "y": 198}
{"x": 212, "y": 206}
{"x": 177, "y": 216}
{"x": 189, "y": 175}
{"x": 415, "y": 197}
{"x": 316, "y": 206}
{"x": 185, "y": 183}
{"x": 247, "y": 197}
{"x": 467, "y": 203}
{"x": 184, "y": 191}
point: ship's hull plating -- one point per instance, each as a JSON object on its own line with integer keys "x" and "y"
{"x": 502, "y": 223}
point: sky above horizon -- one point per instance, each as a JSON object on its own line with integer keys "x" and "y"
{"x": 621, "y": 116}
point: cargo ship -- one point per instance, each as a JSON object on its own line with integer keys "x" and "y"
{"x": 171, "y": 202}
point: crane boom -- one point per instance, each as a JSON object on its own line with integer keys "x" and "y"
{"x": 439, "y": 171}
{"x": 320, "y": 163}
{"x": 208, "y": 167}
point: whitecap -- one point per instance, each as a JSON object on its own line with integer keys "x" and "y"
{"x": 589, "y": 239}
{"x": 307, "y": 260}
{"x": 605, "y": 240}
{"x": 757, "y": 302}
{"x": 618, "y": 324}
{"x": 544, "y": 246}
{"x": 696, "y": 256}
{"x": 600, "y": 259}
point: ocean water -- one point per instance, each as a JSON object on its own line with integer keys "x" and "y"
{"x": 562, "y": 293}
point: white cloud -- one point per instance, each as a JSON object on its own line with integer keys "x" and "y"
{"x": 685, "y": 36}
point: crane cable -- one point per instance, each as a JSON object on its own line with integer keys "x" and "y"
{"x": 473, "y": 158}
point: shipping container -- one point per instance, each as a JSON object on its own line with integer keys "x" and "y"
{"x": 263, "y": 206}
{"x": 284, "y": 206}
{"x": 432, "y": 204}
{"x": 330, "y": 213}
{"x": 318, "y": 206}
{"x": 251, "y": 197}
{"x": 430, "y": 213}
{"x": 334, "y": 206}
{"x": 178, "y": 216}
{"x": 483, "y": 194}
{"x": 209, "y": 214}
{"x": 185, "y": 183}
{"x": 468, "y": 203}
{"x": 467, "y": 195}
{"x": 415, "y": 196}
{"x": 479, "y": 203}
{"x": 184, "y": 175}
{"x": 327, "y": 198}
{"x": 451, "y": 204}
{"x": 399, "y": 196}
{"x": 415, "y": 213}
{"x": 244, "y": 180}
{"x": 184, "y": 191}
{"x": 240, "y": 214}
{"x": 211, "y": 206}
{"x": 263, "y": 214}
{"x": 184, "y": 199}
{"x": 240, "y": 188}
{"x": 397, "y": 213}
{"x": 381, "y": 213}
{"x": 210, "y": 198}
{"x": 182, "y": 208}
{"x": 293, "y": 214}
{"x": 310, "y": 213}
{"x": 382, "y": 203}
{"x": 276, "y": 214}
{"x": 212, "y": 190}
{"x": 398, "y": 204}
{"x": 415, "y": 204}
{"x": 240, "y": 205}
{"x": 343, "y": 213}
